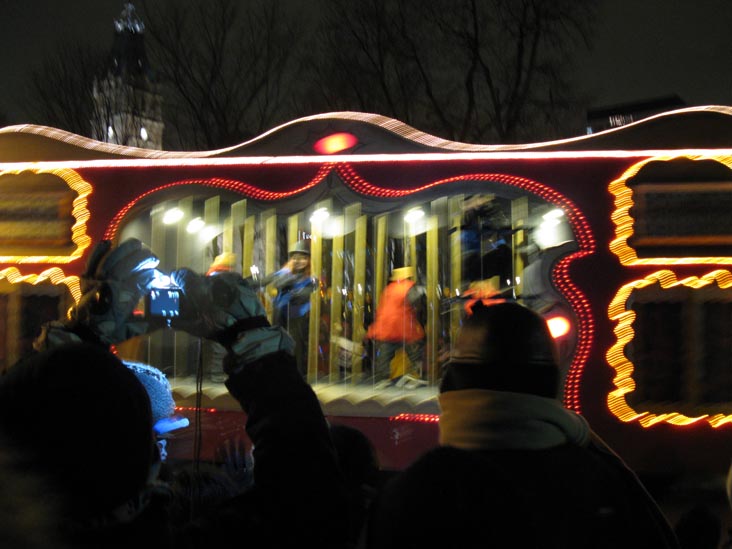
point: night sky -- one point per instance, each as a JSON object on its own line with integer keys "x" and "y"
{"x": 643, "y": 48}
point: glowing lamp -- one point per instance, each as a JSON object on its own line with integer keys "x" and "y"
{"x": 319, "y": 215}
{"x": 195, "y": 225}
{"x": 335, "y": 143}
{"x": 413, "y": 215}
{"x": 209, "y": 232}
{"x": 553, "y": 214}
{"x": 558, "y": 326}
{"x": 173, "y": 215}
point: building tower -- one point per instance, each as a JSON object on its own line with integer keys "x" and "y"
{"x": 127, "y": 99}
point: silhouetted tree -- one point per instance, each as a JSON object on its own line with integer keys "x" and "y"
{"x": 227, "y": 67}
{"x": 61, "y": 89}
{"x": 467, "y": 70}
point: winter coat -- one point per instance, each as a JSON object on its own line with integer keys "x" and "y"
{"x": 519, "y": 471}
{"x": 396, "y": 319}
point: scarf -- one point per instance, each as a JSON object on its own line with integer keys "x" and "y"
{"x": 473, "y": 419}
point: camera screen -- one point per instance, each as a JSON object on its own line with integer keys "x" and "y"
{"x": 164, "y": 302}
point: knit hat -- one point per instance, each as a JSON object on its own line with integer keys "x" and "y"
{"x": 82, "y": 420}
{"x": 504, "y": 347}
{"x": 161, "y": 397}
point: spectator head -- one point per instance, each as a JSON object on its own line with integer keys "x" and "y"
{"x": 503, "y": 347}
{"x": 357, "y": 456}
{"x": 82, "y": 420}
{"x": 157, "y": 386}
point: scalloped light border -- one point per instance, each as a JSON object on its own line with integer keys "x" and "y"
{"x": 79, "y": 211}
{"x": 54, "y": 275}
{"x": 623, "y": 381}
{"x": 624, "y": 222}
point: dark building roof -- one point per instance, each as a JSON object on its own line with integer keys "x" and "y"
{"x": 656, "y": 105}
{"x": 613, "y": 116}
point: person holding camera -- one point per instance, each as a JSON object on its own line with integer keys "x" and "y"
{"x": 113, "y": 498}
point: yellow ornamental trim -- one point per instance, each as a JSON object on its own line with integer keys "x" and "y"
{"x": 624, "y": 222}
{"x": 54, "y": 275}
{"x": 24, "y": 229}
{"x": 619, "y": 312}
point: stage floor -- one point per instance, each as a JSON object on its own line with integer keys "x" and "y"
{"x": 337, "y": 399}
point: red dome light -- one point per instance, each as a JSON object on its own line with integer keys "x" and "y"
{"x": 334, "y": 143}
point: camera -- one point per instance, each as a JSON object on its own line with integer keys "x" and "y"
{"x": 165, "y": 300}
{"x": 164, "y": 303}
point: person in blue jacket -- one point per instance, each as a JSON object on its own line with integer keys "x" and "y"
{"x": 291, "y": 304}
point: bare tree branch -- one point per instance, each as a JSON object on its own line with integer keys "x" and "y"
{"x": 227, "y": 70}
{"x": 61, "y": 89}
{"x": 469, "y": 70}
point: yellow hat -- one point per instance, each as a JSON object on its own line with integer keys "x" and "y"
{"x": 223, "y": 262}
{"x": 402, "y": 273}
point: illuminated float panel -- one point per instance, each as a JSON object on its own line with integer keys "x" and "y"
{"x": 618, "y": 355}
{"x": 690, "y": 215}
{"x": 43, "y": 215}
{"x": 348, "y": 173}
{"x": 563, "y": 173}
{"x": 673, "y": 211}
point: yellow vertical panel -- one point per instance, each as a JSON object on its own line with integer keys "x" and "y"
{"x": 211, "y": 209}
{"x": 182, "y": 244}
{"x": 210, "y": 358}
{"x": 316, "y": 250}
{"x": 455, "y": 216}
{"x": 228, "y": 236}
{"x": 410, "y": 243}
{"x": 294, "y": 223}
{"x": 238, "y": 222}
{"x": 432, "y": 298}
{"x": 382, "y": 228}
{"x": 316, "y": 268}
{"x": 519, "y": 216}
{"x": 359, "y": 283}
{"x": 336, "y": 300}
{"x": 248, "y": 244}
{"x": 269, "y": 220}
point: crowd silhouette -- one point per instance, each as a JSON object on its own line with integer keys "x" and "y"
{"x": 513, "y": 467}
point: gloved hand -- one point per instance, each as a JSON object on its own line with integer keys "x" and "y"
{"x": 226, "y": 309}
{"x": 114, "y": 282}
{"x": 215, "y": 303}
